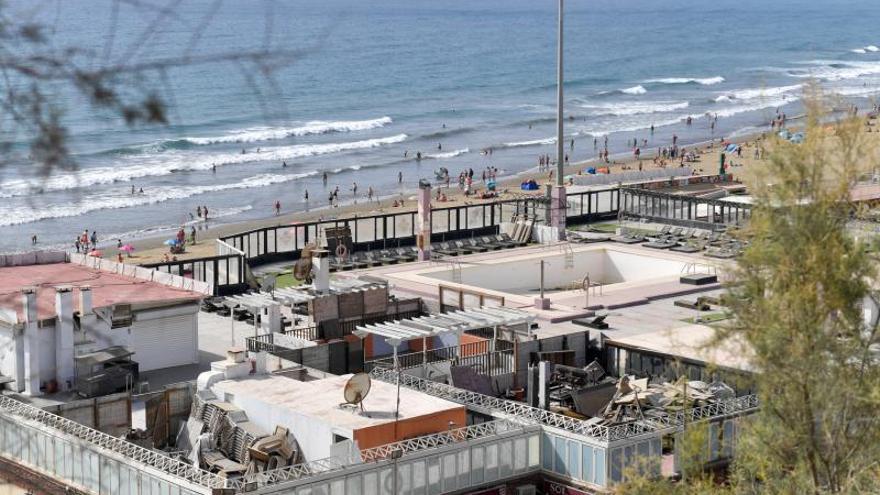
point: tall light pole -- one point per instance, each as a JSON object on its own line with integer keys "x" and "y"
{"x": 560, "y": 143}
{"x": 558, "y": 200}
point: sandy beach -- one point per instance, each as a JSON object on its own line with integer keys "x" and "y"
{"x": 152, "y": 250}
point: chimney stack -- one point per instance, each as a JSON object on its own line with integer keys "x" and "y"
{"x": 85, "y": 300}
{"x": 321, "y": 262}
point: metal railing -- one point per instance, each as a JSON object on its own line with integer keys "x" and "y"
{"x": 157, "y": 460}
{"x": 436, "y": 440}
{"x": 477, "y": 354}
{"x": 290, "y": 473}
{"x": 375, "y": 454}
{"x": 521, "y": 412}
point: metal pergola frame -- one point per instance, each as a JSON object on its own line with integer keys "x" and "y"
{"x": 422, "y": 327}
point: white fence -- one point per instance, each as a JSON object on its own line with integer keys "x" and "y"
{"x": 141, "y": 273}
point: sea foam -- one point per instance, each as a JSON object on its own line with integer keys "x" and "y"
{"x": 137, "y": 167}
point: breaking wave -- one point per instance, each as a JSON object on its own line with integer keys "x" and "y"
{"x": 635, "y": 90}
{"x": 137, "y": 167}
{"x": 624, "y": 108}
{"x": 17, "y": 215}
{"x": 706, "y": 81}
{"x": 258, "y": 134}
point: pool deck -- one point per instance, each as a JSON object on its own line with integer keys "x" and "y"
{"x": 410, "y": 279}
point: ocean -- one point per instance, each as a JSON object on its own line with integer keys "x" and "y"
{"x": 379, "y": 80}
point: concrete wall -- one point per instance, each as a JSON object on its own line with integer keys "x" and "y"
{"x": 110, "y": 414}
{"x": 314, "y": 437}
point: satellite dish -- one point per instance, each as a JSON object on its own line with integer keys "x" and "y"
{"x": 356, "y": 389}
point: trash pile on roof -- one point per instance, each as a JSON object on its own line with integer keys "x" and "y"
{"x": 635, "y": 399}
{"x": 221, "y": 439}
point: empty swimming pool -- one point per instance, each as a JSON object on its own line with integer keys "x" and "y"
{"x": 521, "y": 275}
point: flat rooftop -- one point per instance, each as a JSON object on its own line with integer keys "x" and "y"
{"x": 107, "y": 288}
{"x": 321, "y": 399}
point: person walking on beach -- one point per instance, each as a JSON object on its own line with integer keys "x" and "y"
{"x": 306, "y": 195}
{"x": 277, "y": 207}
{"x": 34, "y": 239}
{"x": 354, "y": 191}
{"x": 94, "y": 239}
{"x": 652, "y": 129}
{"x": 324, "y": 179}
{"x": 418, "y": 156}
{"x": 132, "y": 190}
{"x": 571, "y": 146}
{"x": 400, "y": 177}
{"x": 199, "y": 211}
{"x": 370, "y": 194}
{"x": 192, "y": 234}
{"x": 205, "y": 212}
{"x": 76, "y": 244}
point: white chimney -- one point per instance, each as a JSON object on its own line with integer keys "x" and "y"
{"x": 321, "y": 263}
{"x": 29, "y": 304}
{"x": 31, "y": 338}
{"x": 85, "y": 300}
{"x": 64, "y": 364}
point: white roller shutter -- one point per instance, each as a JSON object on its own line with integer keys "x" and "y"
{"x": 165, "y": 342}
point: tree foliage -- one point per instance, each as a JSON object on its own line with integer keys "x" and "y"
{"x": 800, "y": 296}
{"x": 36, "y": 68}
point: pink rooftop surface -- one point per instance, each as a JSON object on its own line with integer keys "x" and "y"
{"x": 107, "y": 288}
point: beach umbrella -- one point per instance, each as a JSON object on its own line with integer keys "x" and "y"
{"x": 127, "y": 248}
{"x": 97, "y": 253}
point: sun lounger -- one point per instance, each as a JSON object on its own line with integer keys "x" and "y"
{"x": 660, "y": 244}
{"x": 489, "y": 243}
{"x": 392, "y": 253}
{"x": 462, "y": 248}
{"x": 340, "y": 263}
{"x": 357, "y": 261}
{"x": 443, "y": 248}
{"x": 505, "y": 241}
{"x": 384, "y": 259}
{"x": 515, "y": 242}
{"x": 720, "y": 253}
{"x": 690, "y": 247}
{"x": 406, "y": 254}
{"x": 363, "y": 259}
{"x": 475, "y": 246}
{"x": 628, "y": 237}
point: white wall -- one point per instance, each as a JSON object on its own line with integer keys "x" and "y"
{"x": 8, "y": 358}
{"x": 604, "y": 266}
{"x": 315, "y": 438}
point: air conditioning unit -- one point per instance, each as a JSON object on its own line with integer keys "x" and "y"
{"x": 526, "y": 490}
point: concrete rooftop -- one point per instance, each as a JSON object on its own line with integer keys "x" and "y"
{"x": 107, "y": 288}
{"x": 321, "y": 399}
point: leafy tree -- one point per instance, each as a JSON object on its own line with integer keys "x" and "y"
{"x": 800, "y": 295}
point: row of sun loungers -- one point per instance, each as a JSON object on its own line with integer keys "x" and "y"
{"x": 685, "y": 240}
{"x": 393, "y": 256}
